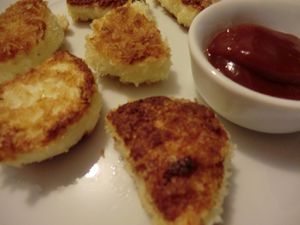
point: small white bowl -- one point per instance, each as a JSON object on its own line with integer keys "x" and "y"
{"x": 234, "y": 102}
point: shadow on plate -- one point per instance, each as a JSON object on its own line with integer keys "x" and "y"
{"x": 40, "y": 179}
{"x": 167, "y": 87}
{"x": 277, "y": 150}
{"x": 66, "y": 46}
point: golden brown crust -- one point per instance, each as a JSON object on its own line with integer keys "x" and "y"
{"x": 22, "y": 26}
{"x": 178, "y": 148}
{"x": 199, "y": 5}
{"x": 98, "y": 3}
{"x": 127, "y": 36}
{"x": 32, "y": 116}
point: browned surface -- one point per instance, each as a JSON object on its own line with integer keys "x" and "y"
{"x": 19, "y": 131}
{"x": 178, "y": 148}
{"x": 198, "y": 4}
{"x": 128, "y": 37}
{"x": 22, "y": 26}
{"x": 100, "y": 3}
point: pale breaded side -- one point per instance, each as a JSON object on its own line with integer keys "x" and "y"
{"x": 185, "y": 10}
{"x": 126, "y": 43}
{"x": 47, "y": 110}
{"x": 86, "y": 10}
{"x": 63, "y": 22}
{"x": 178, "y": 154}
{"x": 29, "y": 33}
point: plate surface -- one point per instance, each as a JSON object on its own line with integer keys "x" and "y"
{"x": 89, "y": 186}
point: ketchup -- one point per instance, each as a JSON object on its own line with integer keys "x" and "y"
{"x": 259, "y": 58}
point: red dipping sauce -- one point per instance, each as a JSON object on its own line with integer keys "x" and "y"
{"x": 264, "y": 60}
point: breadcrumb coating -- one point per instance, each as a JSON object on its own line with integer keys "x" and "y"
{"x": 199, "y": 5}
{"x": 22, "y": 26}
{"x": 100, "y": 3}
{"x": 37, "y": 107}
{"x": 128, "y": 37}
{"x": 178, "y": 148}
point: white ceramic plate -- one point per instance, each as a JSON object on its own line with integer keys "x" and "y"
{"x": 89, "y": 186}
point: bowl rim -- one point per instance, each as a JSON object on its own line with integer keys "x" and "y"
{"x": 198, "y": 54}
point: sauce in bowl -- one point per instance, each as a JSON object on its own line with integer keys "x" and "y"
{"x": 264, "y": 60}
